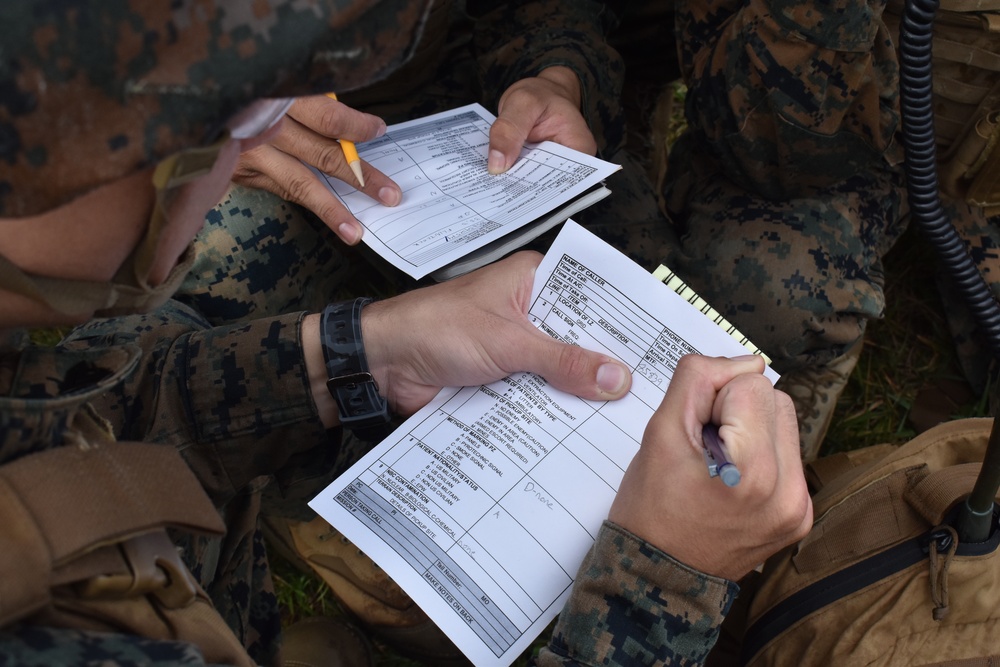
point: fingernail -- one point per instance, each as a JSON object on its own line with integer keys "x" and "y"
{"x": 381, "y": 130}
{"x": 611, "y": 378}
{"x": 496, "y": 163}
{"x": 744, "y": 357}
{"x": 389, "y": 196}
{"x": 349, "y": 233}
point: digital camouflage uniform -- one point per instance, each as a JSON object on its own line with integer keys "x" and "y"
{"x": 221, "y": 378}
{"x": 787, "y": 190}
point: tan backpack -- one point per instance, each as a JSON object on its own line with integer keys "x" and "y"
{"x": 882, "y": 578}
{"x": 966, "y": 80}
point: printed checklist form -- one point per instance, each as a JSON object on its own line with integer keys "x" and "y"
{"x": 482, "y": 505}
{"x": 455, "y": 216}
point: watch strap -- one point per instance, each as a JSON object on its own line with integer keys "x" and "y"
{"x": 350, "y": 382}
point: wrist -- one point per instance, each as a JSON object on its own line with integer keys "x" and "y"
{"x": 344, "y": 389}
{"x": 566, "y": 80}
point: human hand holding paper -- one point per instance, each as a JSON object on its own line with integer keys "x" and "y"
{"x": 542, "y": 108}
{"x": 309, "y": 135}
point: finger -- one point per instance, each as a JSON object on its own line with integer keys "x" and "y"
{"x": 270, "y": 169}
{"x": 694, "y": 388}
{"x": 591, "y": 375}
{"x": 745, "y": 412}
{"x": 763, "y": 438}
{"x": 789, "y": 460}
{"x": 507, "y": 136}
{"x": 327, "y": 155}
{"x": 548, "y": 112}
{"x": 336, "y": 120}
{"x": 570, "y": 368}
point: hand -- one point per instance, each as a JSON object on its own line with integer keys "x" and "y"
{"x": 473, "y": 330}
{"x": 667, "y": 497}
{"x": 309, "y": 133}
{"x": 541, "y": 108}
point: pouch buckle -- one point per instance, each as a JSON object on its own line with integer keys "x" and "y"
{"x": 155, "y": 568}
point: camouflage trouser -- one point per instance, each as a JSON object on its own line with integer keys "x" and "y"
{"x": 800, "y": 277}
{"x": 785, "y": 190}
{"x": 788, "y": 188}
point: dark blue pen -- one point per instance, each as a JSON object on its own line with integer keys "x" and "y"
{"x": 717, "y": 458}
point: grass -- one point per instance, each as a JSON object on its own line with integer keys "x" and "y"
{"x": 907, "y": 356}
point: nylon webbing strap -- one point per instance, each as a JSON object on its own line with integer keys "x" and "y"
{"x": 871, "y": 519}
{"x": 169, "y": 178}
{"x": 129, "y": 292}
{"x": 68, "y": 297}
{"x": 828, "y": 468}
{"x": 970, "y": 5}
{"x": 68, "y": 501}
{"x": 934, "y": 495}
{"x": 73, "y": 297}
{"x": 985, "y": 187}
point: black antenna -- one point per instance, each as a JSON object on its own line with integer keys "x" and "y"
{"x": 915, "y": 39}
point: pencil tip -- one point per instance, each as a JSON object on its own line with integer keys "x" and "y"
{"x": 356, "y": 168}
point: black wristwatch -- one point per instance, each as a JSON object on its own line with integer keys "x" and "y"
{"x": 362, "y": 408}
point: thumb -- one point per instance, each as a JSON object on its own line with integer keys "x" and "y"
{"x": 590, "y": 375}
{"x": 507, "y": 137}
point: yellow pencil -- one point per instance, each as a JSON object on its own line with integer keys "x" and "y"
{"x": 350, "y": 152}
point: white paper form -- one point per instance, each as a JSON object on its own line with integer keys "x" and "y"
{"x": 451, "y": 204}
{"x": 483, "y": 504}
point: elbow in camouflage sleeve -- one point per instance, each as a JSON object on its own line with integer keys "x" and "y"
{"x": 632, "y": 604}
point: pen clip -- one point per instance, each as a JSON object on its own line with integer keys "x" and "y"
{"x": 710, "y": 462}
{"x": 716, "y": 456}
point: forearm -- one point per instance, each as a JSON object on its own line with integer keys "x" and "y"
{"x": 625, "y": 587}
{"x": 235, "y": 400}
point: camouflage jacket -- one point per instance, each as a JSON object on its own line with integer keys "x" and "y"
{"x": 118, "y": 86}
{"x": 632, "y": 604}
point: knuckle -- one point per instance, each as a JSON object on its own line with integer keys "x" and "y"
{"x": 329, "y": 119}
{"x": 782, "y": 400}
{"x": 574, "y": 361}
{"x": 297, "y": 188}
{"x": 688, "y": 363}
{"x": 328, "y": 157}
{"x": 331, "y": 214}
{"x": 796, "y": 515}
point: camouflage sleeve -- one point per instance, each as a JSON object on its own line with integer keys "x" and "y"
{"x": 36, "y": 646}
{"x": 516, "y": 40}
{"x": 235, "y": 400}
{"x": 789, "y": 96}
{"x": 632, "y": 604}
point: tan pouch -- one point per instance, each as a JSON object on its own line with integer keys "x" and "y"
{"x": 84, "y": 544}
{"x": 882, "y": 578}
